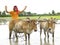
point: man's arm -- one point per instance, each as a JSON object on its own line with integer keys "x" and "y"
{"x": 23, "y": 9}
{"x": 6, "y": 9}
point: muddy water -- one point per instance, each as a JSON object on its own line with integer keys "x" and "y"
{"x": 34, "y": 40}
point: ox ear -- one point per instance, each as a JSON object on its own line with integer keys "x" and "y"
{"x": 55, "y": 20}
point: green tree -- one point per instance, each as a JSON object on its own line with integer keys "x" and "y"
{"x": 0, "y": 12}
{"x": 28, "y": 13}
{"x": 49, "y": 13}
{"x": 24, "y": 13}
{"x": 53, "y": 12}
{"x": 3, "y": 13}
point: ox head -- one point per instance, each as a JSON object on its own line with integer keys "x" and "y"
{"x": 51, "y": 24}
{"x": 34, "y": 25}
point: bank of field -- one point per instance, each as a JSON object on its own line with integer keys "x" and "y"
{"x": 41, "y": 17}
{"x": 35, "y": 17}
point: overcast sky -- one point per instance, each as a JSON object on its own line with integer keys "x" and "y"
{"x": 35, "y": 6}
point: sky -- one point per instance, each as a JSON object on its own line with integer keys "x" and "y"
{"x": 34, "y": 6}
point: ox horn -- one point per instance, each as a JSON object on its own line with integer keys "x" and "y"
{"x": 39, "y": 17}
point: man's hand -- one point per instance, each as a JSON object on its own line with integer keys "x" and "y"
{"x": 5, "y": 7}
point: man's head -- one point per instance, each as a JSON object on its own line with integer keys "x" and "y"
{"x": 15, "y": 8}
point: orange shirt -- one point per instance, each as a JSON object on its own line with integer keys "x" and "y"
{"x": 14, "y": 15}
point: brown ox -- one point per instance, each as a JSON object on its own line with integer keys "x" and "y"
{"x": 22, "y": 26}
{"x": 48, "y": 26}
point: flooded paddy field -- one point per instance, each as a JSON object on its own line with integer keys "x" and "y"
{"x": 34, "y": 39}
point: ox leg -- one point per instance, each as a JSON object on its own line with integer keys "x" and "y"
{"x": 40, "y": 32}
{"x": 45, "y": 33}
{"x": 53, "y": 36}
{"x": 48, "y": 35}
{"x": 28, "y": 39}
{"x": 25, "y": 39}
{"x": 10, "y": 34}
{"x": 16, "y": 35}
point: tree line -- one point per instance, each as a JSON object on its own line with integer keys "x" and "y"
{"x": 29, "y": 13}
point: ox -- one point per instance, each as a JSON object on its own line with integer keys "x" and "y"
{"x": 23, "y": 26}
{"x": 48, "y": 26}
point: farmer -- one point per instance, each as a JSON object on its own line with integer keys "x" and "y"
{"x": 14, "y": 14}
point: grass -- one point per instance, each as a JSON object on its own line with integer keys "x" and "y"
{"x": 42, "y": 17}
{"x": 36, "y": 17}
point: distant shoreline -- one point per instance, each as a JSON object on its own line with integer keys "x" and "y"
{"x": 35, "y": 17}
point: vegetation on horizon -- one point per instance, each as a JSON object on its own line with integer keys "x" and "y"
{"x": 32, "y": 15}
{"x": 3, "y": 14}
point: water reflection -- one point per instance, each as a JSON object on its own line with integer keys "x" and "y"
{"x": 42, "y": 42}
{"x": 12, "y": 42}
{"x": 35, "y": 37}
{"x": 17, "y": 42}
{"x": 46, "y": 41}
{"x": 3, "y": 21}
